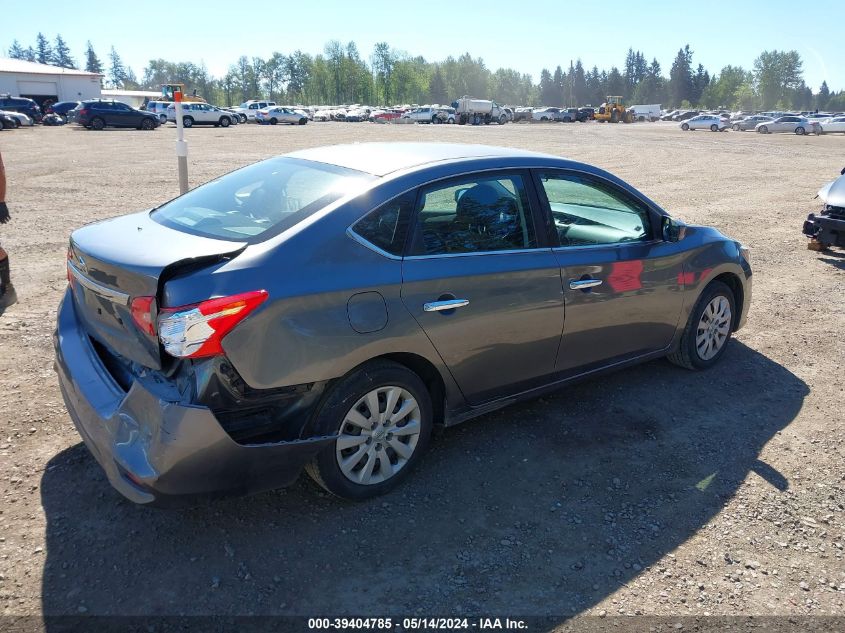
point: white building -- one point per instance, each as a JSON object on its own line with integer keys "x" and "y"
{"x": 40, "y": 82}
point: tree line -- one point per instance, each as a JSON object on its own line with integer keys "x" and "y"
{"x": 340, "y": 74}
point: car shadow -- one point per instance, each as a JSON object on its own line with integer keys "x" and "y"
{"x": 546, "y": 507}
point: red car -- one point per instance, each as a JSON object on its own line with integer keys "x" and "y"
{"x": 386, "y": 115}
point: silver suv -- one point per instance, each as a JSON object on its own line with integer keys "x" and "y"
{"x": 159, "y": 108}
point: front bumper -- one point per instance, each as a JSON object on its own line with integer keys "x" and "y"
{"x": 825, "y": 228}
{"x": 156, "y": 451}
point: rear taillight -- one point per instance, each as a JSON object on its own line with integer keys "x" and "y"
{"x": 83, "y": 112}
{"x": 142, "y": 313}
{"x": 195, "y": 331}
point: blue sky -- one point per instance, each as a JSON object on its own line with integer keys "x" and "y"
{"x": 527, "y": 36}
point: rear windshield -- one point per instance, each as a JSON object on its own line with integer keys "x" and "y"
{"x": 261, "y": 200}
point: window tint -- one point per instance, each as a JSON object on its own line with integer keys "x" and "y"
{"x": 588, "y": 212}
{"x": 387, "y": 226}
{"x": 267, "y": 197}
{"x": 485, "y": 214}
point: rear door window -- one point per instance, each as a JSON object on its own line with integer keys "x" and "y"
{"x": 478, "y": 215}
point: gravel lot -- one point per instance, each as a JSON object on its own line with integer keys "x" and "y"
{"x": 653, "y": 491}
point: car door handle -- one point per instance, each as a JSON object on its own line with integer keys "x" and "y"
{"x": 583, "y": 284}
{"x": 449, "y": 304}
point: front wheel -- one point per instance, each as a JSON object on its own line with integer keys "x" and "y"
{"x": 382, "y": 416}
{"x": 735, "y": 127}
{"x": 685, "y": 127}
{"x": 224, "y": 121}
{"x": 187, "y": 121}
{"x": 763, "y": 130}
{"x": 147, "y": 124}
{"x": 273, "y": 121}
{"x": 708, "y": 330}
{"x": 303, "y": 121}
{"x": 800, "y": 131}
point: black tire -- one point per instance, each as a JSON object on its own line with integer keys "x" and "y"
{"x": 324, "y": 468}
{"x": 303, "y": 121}
{"x": 800, "y": 131}
{"x": 763, "y": 129}
{"x": 736, "y": 127}
{"x": 714, "y": 128}
{"x": 17, "y": 123}
{"x": 225, "y": 121}
{"x": 273, "y": 121}
{"x": 147, "y": 124}
{"x": 503, "y": 119}
{"x": 686, "y": 355}
{"x": 97, "y": 123}
{"x": 187, "y": 121}
{"x": 614, "y": 117}
{"x": 685, "y": 127}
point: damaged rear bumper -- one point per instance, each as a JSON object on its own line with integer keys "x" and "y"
{"x": 154, "y": 451}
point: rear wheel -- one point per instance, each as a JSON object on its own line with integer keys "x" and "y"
{"x": 382, "y": 416}
{"x": 763, "y": 129}
{"x": 714, "y": 128}
{"x": 708, "y": 330}
{"x": 735, "y": 127}
{"x": 97, "y": 123}
{"x": 225, "y": 121}
{"x": 187, "y": 121}
{"x": 273, "y": 121}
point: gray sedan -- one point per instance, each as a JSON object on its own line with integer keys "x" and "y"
{"x": 324, "y": 309}
{"x": 792, "y": 124}
{"x": 750, "y": 122}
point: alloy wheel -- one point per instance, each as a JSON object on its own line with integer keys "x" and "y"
{"x": 714, "y": 327}
{"x": 378, "y": 435}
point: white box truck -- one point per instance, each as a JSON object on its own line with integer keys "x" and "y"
{"x": 478, "y": 111}
{"x": 650, "y": 112}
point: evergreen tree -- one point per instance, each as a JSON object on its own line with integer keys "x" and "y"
{"x": 680, "y": 77}
{"x": 437, "y": 87}
{"x": 92, "y": 62}
{"x": 43, "y": 52}
{"x": 823, "y": 96}
{"x": 559, "y": 80}
{"x": 16, "y": 51}
{"x": 548, "y": 92}
{"x": 61, "y": 54}
{"x": 117, "y": 71}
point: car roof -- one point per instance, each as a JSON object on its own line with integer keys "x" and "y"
{"x": 381, "y": 159}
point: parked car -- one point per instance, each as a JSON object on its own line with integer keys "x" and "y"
{"x": 383, "y": 116}
{"x": 586, "y": 114}
{"x": 447, "y": 114}
{"x": 712, "y": 122}
{"x": 21, "y": 104}
{"x": 97, "y": 114}
{"x": 192, "y": 367}
{"x": 62, "y": 108}
{"x": 159, "y": 108}
{"x": 248, "y": 109}
{"x": 200, "y": 114}
{"x": 834, "y": 124}
{"x": 545, "y": 114}
{"x": 568, "y": 115}
{"x": 792, "y": 124}
{"x": 356, "y": 115}
{"x": 19, "y": 118}
{"x": 749, "y": 122}
{"x": 279, "y": 114}
{"x": 425, "y": 114}
{"x": 522, "y": 114}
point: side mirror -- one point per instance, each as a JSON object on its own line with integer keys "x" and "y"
{"x": 673, "y": 230}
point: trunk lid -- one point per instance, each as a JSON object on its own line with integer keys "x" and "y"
{"x": 114, "y": 261}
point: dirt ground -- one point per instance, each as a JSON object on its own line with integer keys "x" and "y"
{"x": 654, "y": 491}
